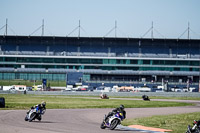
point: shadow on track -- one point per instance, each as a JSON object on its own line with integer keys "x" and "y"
{"x": 43, "y": 122}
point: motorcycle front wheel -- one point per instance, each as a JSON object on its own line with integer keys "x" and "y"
{"x": 114, "y": 124}
{"x": 26, "y": 118}
{"x": 103, "y": 125}
{"x": 32, "y": 117}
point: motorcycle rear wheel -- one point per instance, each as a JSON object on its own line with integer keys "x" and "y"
{"x": 39, "y": 118}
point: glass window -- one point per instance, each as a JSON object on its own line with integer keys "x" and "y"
{"x": 105, "y": 61}
{"x": 112, "y": 61}
{"x": 11, "y": 59}
{"x": 96, "y": 61}
{"x": 34, "y": 60}
{"x": 146, "y": 61}
{"x": 121, "y": 61}
{"x": 85, "y": 61}
{"x": 23, "y": 76}
{"x": 176, "y": 69}
{"x": 33, "y": 76}
{"x": 86, "y": 77}
{"x": 72, "y": 60}
{"x": 184, "y": 69}
{"x": 182, "y": 62}
{"x": 8, "y": 76}
{"x": 140, "y": 62}
{"x": 170, "y": 62}
{"x": 1, "y": 76}
{"x": 127, "y": 61}
{"x": 194, "y": 63}
{"x": 1, "y": 58}
{"x": 133, "y": 62}
{"x": 158, "y": 62}
{"x": 20, "y": 59}
{"x": 56, "y": 60}
{"x": 48, "y": 60}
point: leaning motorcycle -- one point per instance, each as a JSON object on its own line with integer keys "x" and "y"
{"x": 34, "y": 113}
{"x": 112, "y": 121}
{"x": 195, "y": 128}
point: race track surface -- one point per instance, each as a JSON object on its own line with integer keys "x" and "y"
{"x": 78, "y": 120}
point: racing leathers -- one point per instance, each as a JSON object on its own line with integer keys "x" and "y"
{"x": 116, "y": 110}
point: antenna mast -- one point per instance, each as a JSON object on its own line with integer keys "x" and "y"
{"x": 152, "y": 30}
{"x": 6, "y": 27}
{"x": 79, "y": 29}
{"x": 115, "y": 29}
{"x": 188, "y": 30}
{"x": 43, "y": 27}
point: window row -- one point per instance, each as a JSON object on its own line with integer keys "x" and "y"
{"x": 98, "y": 61}
{"x": 32, "y": 76}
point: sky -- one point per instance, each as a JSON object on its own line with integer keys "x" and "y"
{"x": 133, "y": 18}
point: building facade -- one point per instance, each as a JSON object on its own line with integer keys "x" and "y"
{"x": 100, "y": 59}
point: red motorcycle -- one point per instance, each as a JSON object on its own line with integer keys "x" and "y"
{"x": 104, "y": 96}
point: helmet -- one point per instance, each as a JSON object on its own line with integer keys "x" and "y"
{"x": 121, "y": 107}
{"x": 43, "y": 103}
{"x": 39, "y": 105}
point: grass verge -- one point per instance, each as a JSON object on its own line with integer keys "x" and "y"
{"x": 20, "y": 101}
{"x": 177, "y": 123}
{"x": 159, "y": 97}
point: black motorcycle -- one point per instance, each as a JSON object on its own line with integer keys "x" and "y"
{"x": 145, "y": 98}
{"x": 195, "y": 128}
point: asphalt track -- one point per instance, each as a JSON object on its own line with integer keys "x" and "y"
{"x": 80, "y": 120}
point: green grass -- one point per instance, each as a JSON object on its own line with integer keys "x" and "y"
{"x": 176, "y": 98}
{"x": 160, "y": 97}
{"x": 20, "y": 101}
{"x": 177, "y": 123}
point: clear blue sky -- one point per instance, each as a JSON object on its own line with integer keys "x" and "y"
{"x": 134, "y": 17}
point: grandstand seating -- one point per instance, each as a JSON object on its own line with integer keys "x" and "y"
{"x": 98, "y": 71}
{"x": 104, "y": 48}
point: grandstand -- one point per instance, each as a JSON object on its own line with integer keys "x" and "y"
{"x": 107, "y": 60}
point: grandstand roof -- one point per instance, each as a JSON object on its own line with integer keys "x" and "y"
{"x": 95, "y": 38}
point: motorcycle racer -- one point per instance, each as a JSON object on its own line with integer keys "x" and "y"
{"x": 36, "y": 112}
{"x": 114, "y": 118}
{"x": 41, "y": 107}
{"x": 120, "y": 109}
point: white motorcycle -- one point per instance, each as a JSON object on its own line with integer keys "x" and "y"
{"x": 112, "y": 122}
{"x": 34, "y": 113}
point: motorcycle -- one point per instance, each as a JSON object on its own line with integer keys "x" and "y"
{"x": 104, "y": 96}
{"x": 145, "y": 98}
{"x": 34, "y": 113}
{"x": 195, "y": 128}
{"x": 112, "y": 121}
